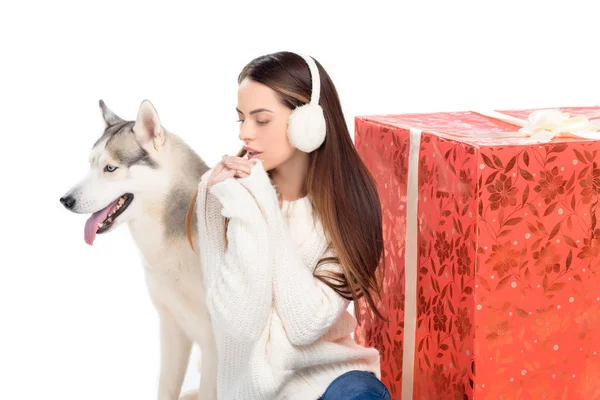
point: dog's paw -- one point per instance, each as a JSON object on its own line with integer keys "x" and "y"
{"x": 190, "y": 395}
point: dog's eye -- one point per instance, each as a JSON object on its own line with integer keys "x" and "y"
{"x": 110, "y": 168}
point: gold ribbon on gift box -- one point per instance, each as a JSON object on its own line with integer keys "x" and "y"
{"x": 540, "y": 127}
{"x": 544, "y": 125}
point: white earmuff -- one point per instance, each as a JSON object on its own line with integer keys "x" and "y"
{"x": 306, "y": 124}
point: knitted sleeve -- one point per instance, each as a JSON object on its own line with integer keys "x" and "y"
{"x": 238, "y": 280}
{"x": 307, "y": 307}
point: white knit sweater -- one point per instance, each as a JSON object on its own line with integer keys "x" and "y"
{"x": 280, "y": 332}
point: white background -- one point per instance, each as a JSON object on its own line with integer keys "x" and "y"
{"x": 76, "y": 321}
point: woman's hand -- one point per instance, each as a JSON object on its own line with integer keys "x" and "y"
{"x": 230, "y": 167}
{"x": 219, "y": 174}
{"x": 242, "y": 166}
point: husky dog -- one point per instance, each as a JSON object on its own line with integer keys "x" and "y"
{"x": 145, "y": 176}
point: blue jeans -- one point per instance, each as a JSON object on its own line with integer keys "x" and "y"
{"x": 356, "y": 385}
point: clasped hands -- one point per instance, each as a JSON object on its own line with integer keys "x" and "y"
{"x": 251, "y": 175}
{"x": 229, "y": 167}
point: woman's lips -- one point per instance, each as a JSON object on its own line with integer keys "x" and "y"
{"x": 253, "y": 155}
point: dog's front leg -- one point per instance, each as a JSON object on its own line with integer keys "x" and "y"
{"x": 208, "y": 366}
{"x": 175, "y": 349}
{"x": 208, "y": 369}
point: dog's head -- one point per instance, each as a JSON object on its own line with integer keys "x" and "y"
{"x": 125, "y": 168}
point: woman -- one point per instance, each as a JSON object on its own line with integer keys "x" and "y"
{"x": 291, "y": 234}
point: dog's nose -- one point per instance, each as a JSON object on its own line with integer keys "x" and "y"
{"x": 67, "y": 201}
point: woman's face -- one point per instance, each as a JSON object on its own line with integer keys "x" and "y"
{"x": 264, "y": 124}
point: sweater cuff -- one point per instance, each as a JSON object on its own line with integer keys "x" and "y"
{"x": 259, "y": 184}
{"x": 234, "y": 198}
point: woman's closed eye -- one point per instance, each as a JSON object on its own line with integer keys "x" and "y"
{"x": 258, "y": 122}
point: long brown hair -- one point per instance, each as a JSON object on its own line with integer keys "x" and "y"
{"x": 341, "y": 188}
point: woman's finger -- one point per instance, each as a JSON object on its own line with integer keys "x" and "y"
{"x": 220, "y": 173}
{"x": 240, "y": 164}
{"x": 217, "y": 169}
{"x": 235, "y": 172}
{"x": 226, "y": 173}
{"x": 241, "y": 174}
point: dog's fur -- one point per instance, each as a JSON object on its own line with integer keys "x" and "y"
{"x": 162, "y": 172}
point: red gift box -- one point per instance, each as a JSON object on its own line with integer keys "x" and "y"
{"x": 492, "y": 247}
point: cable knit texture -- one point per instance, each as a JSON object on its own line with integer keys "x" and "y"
{"x": 280, "y": 332}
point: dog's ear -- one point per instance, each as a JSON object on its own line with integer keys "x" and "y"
{"x": 110, "y": 118}
{"x": 147, "y": 126}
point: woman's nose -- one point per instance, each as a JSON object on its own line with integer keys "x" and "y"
{"x": 246, "y": 132}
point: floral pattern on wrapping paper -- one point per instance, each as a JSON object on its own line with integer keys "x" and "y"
{"x": 446, "y": 273}
{"x": 386, "y": 157}
{"x": 537, "y": 270}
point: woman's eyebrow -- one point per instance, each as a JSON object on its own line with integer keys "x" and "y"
{"x": 254, "y": 111}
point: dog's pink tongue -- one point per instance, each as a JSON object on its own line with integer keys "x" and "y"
{"x": 91, "y": 225}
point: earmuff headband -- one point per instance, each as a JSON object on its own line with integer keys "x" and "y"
{"x": 316, "y": 81}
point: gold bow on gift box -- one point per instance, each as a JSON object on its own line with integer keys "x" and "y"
{"x": 544, "y": 125}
